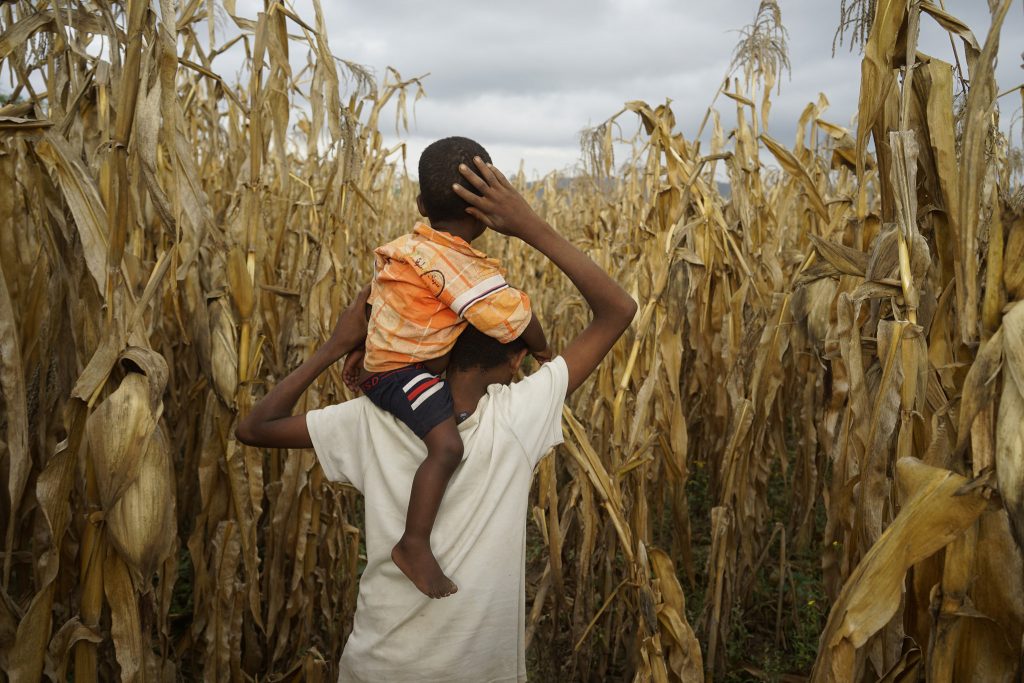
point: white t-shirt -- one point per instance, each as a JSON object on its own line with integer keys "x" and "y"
{"x": 479, "y": 537}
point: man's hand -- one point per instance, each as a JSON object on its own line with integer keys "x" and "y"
{"x": 353, "y": 368}
{"x": 350, "y": 330}
{"x": 501, "y": 207}
{"x": 504, "y": 210}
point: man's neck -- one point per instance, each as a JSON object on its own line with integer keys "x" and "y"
{"x": 468, "y": 387}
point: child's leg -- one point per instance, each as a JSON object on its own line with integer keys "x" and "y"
{"x": 412, "y": 554}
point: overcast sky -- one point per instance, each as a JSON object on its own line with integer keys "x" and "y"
{"x": 524, "y": 78}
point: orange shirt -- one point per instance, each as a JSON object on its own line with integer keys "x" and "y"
{"x": 429, "y": 285}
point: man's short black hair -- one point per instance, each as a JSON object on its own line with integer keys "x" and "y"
{"x": 474, "y": 349}
{"x": 439, "y": 169}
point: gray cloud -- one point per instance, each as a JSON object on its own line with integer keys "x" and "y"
{"x": 535, "y": 48}
{"x": 525, "y": 78}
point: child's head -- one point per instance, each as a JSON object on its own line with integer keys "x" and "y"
{"x": 439, "y": 169}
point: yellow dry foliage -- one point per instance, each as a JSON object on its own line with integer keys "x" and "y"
{"x": 827, "y": 362}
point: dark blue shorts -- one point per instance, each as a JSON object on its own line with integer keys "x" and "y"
{"x": 418, "y": 398}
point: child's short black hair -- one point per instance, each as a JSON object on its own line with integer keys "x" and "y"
{"x": 439, "y": 169}
{"x": 474, "y": 349}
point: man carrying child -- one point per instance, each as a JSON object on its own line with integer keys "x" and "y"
{"x": 480, "y": 533}
{"x": 429, "y": 285}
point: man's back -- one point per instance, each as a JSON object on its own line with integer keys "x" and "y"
{"x": 477, "y": 634}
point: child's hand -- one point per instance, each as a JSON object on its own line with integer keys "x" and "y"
{"x": 501, "y": 208}
{"x": 353, "y": 368}
{"x": 350, "y": 330}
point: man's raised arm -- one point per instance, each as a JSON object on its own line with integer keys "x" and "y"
{"x": 504, "y": 210}
{"x": 270, "y": 423}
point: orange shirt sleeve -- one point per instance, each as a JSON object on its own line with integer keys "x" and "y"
{"x": 502, "y": 315}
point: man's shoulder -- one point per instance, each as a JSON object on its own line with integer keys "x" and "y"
{"x": 553, "y": 369}
{"x": 550, "y": 376}
{"x": 531, "y": 409}
{"x": 351, "y": 410}
{"x": 351, "y": 422}
{"x": 334, "y": 431}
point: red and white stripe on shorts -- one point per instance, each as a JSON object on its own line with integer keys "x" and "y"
{"x": 421, "y": 387}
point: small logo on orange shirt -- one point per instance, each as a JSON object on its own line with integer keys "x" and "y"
{"x": 436, "y": 279}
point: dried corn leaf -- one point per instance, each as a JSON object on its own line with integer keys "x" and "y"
{"x": 979, "y": 387}
{"x": 83, "y": 199}
{"x": 1009, "y": 453}
{"x": 876, "y": 69}
{"x": 796, "y": 169}
{"x": 1013, "y": 258}
{"x": 684, "y": 654}
{"x": 125, "y": 627}
{"x": 844, "y": 259}
{"x": 973, "y": 178}
{"x": 57, "y": 655}
{"x": 12, "y": 388}
{"x": 17, "y": 34}
{"x": 932, "y": 515}
{"x": 954, "y": 25}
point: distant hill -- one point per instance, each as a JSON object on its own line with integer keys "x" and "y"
{"x": 564, "y": 182}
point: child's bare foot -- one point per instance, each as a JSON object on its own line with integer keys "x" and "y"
{"x": 418, "y": 563}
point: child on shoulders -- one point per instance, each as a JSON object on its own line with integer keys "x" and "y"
{"x": 429, "y": 285}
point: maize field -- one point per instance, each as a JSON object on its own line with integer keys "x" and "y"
{"x": 803, "y": 461}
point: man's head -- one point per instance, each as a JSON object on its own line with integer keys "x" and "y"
{"x": 476, "y": 352}
{"x": 439, "y": 169}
